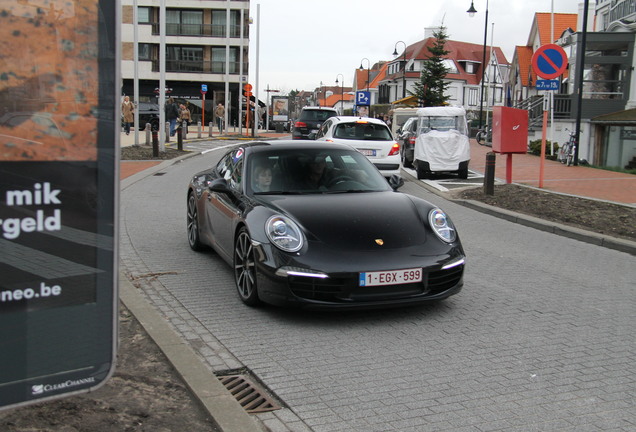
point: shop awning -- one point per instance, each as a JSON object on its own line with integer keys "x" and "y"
{"x": 626, "y": 117}
{"x": 409, "y": 100}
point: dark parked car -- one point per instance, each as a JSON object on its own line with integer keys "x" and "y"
{"x": 148, "y": 113}
{"x": 310, "y": 120}
{"x": 315, "y": 224}
{"x": 406, "y": 137}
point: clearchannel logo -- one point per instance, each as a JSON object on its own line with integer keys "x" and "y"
{"x": 40, "y": 389}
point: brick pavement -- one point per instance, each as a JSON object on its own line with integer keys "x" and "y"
{"x": 575, "y": 180}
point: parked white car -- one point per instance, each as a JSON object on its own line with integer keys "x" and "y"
{"x": 371, "y": 137}
{"x": 442, "y": 142}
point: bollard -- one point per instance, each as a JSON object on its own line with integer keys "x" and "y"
{"x": 489, "y": 175}
{"x": 167, "y": 132}
{"x": 148, "y": 134}
{"x": 198, "y": 129}
{"x": 180, "y": 133}
{"x": 210, "y": 129}
{"x": 155, "y": 143}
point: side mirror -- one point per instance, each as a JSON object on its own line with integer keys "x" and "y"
{"x": 219, "y": 186}
{"x": 396, "y": 182}
{"x": 311, "y": 136}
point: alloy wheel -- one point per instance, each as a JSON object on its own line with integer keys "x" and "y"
{"x": 245, "y": 269}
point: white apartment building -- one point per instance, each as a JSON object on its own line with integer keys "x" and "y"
{"x": 207, "y": 43}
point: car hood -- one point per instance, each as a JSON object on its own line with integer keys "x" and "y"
{"x": 356, "y": 220}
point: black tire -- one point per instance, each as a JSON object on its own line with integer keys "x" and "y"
{"x": 422, "y": 173}
{"x": 405, "y": 162}
{"x": 245, "y": 269}
{"x": 462, "y": 172}
{"x": 192, "y": 219}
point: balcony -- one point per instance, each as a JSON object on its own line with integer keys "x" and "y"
{"x": 214, "y": 67}
{"x": 199, "y": 30}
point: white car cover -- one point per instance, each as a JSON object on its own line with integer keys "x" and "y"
{"x": 442, "y": 150}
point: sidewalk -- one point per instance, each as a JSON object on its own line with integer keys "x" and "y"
{"x": 573, "y": 180}
{"x": 193, "y": 135}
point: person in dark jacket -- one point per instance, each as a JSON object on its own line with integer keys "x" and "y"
{"x": 172, "y": 113}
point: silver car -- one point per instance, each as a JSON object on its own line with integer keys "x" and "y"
{"x": 371, "y": 137}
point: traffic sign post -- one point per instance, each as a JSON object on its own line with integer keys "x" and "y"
{"x": 204, "y": 90}
{"x": 549, "y": 61}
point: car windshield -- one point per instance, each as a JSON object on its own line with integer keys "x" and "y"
{"x": 362, "y": 131}
{"x": 442, "y": 123}
{"x": 319, "y": 115}
{"x": 312, "y": 171}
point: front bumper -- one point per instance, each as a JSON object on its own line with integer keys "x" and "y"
{"x": 294, "y": 283}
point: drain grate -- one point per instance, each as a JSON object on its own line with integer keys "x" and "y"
{"x": 253, "y": 399}
{"x": 159, "y": 174}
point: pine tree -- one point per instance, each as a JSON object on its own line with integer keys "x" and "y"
{"x": 431, "y": 88}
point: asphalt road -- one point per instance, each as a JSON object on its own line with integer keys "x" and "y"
{"x": 540, "y": 339}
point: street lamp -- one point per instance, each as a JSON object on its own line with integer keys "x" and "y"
{"x": 395, "y": 53}
{"x": 471, "y": 12}
{"x": 368, "y": 70}
{"x": 341, "y": 92}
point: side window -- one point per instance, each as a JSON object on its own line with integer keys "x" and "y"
{"x": 230, "y": 168}
{"x": 323, "y": 130}
{"x": 236, "y": 178}
{"x": 224, "y": 165}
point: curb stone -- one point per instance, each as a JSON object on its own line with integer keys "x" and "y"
{"x": 591, "y": 237}
{"x": 224, "y": 409}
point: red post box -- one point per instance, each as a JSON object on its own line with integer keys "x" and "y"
{"x": 509, "y": 130}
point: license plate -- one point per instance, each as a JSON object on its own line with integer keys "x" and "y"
{"x": 367, "y": 152}
{"x": 313, "y": 131}
{"x": 391, "y": 277}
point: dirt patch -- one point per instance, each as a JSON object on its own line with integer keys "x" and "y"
{"x": 601, "y": 217}
{"x": 144, "y": 394}
{"x": 146, "y": 153}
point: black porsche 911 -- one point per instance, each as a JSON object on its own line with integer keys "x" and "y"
{"x": 316, "y": 225}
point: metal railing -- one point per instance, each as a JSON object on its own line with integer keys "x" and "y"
{"x": 198, "y": 30}
{"x": 215, "y": 67}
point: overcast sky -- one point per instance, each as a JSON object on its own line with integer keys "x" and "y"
{"x": 303, "y": 43}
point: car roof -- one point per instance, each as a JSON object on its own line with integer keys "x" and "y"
{"x": 317, "y": 108}
{"x": 292, "y": 145}
{"x": 356, "y": 119}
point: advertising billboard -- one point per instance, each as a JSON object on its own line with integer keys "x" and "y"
{"x": 59, "y": 124}
{"x": 280, "y": 109}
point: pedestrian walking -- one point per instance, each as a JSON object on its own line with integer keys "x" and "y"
{"x": 172, "y": 113}
{"x": 219, "y": 113}
{"x": 185, "y": 116}
{"x": 127, "y": 113}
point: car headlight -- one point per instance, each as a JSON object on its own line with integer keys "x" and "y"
{"x": 442, "y": 225}
{"x": 284, "y": 233}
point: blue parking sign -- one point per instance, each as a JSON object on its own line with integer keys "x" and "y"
{"x": 363, "y": 98}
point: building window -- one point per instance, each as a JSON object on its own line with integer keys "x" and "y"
{"x": 473, "y": 96}
{"x": 145, "y": 51}
{"x": 219, "y": 23}
{"x": 218, "y": 60}
{"x": 184, "y": 22}
{"x": 184, "y": 59}
{"x": 143, "y": 15}
{"x": 450, "y": 66}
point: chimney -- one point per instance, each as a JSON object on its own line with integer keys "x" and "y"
{"x": 428, "y": 31}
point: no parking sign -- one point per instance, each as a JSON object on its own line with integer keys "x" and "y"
{"x": 549, "y": 61}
